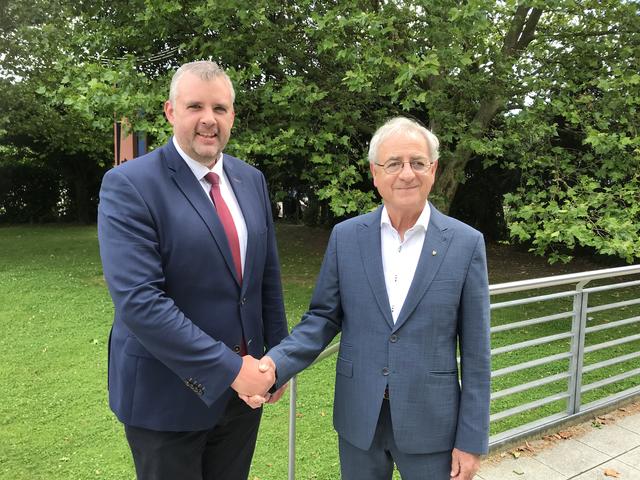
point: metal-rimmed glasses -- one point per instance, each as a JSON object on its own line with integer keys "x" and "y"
{"x": 393, "y": 167}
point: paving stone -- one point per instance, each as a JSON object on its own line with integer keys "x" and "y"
{"x": 626, "y": 472}
{"x": 610, "y": 439}
{"x": 631, "y": 458}
{"x": 570, "y": 457}
{"x": 632, "y": 422}
{"x": 523, "y": 468}
{"x": 582, "y": 458}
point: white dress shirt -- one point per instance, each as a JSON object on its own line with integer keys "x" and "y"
{"x": 400, "y": 257}
{"x": 199, "y": 170}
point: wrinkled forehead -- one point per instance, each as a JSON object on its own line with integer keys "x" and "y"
{"x": 409, "y": 145}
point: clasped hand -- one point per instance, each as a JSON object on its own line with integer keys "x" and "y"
{"x": 255, "y": 379}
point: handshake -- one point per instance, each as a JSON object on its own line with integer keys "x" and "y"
{"x": 255, "y": 379}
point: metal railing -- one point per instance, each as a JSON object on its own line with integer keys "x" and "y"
{"x": 573, "y": 332}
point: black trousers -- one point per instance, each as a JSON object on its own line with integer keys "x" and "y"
{"x": 221, "y": 453}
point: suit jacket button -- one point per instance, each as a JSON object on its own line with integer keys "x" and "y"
{"x": 236, "y": 348}
{"x": 385, "y": 371}
{"x": 393, "y": 338}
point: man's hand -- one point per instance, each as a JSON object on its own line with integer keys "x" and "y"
{"x": 266, "y": 366}
{"x": 277, "y": 395}
{"x": 266, "y": 363}
{"x": 251, "y": 381}
{"x": 464, "y": 465}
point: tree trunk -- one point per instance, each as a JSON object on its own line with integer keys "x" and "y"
{"x": 451, "y": 173}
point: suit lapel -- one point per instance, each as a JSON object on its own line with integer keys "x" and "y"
{"x": 192, "y": 190}
{"x": 436, "y": 243}
{"x": 371, "y": 254}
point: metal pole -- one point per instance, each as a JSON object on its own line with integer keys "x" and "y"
{"x": 583, "y": 327}
{"x": 578, "y": 325}
{"x": 293, "y": 393}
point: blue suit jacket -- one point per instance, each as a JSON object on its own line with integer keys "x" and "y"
{"x": 447, "y": 305}
{"x": 179, "y": 309}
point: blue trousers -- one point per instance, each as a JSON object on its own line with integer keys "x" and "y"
{"x": 377, "y": 462}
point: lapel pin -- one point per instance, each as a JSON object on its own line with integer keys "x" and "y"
{"x": 434, "y": 253}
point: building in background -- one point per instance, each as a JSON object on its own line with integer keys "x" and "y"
{"x": 127, "y": 144}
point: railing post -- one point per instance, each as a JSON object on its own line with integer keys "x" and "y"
{"x": 293, "y": 393}
{"x": 578, "y": 326}
{"x": 292, "y": 410}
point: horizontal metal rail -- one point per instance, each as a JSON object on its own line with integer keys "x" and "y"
{"x": 610, "y": 380}
{"x": 610, "y": 325}
{"x": 611, "y": 306}
{"x": 611, "y": 361}
{"x": 612, "y": 343}
{"x": 531, "y": 343}
{"x": 612, "y": 286}
{"x": 527, "y": 300}
{"x": 556, "y": 280}
{"x": 530, "y": 364}
{"x": 529, "y": 385}
{"x": 533, "y": 321}
{"x": 528, "y": 406}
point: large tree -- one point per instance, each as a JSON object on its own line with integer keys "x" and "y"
{"x": 543, "y": 92}
{"x": 576, "y": 136}
{"x": 43, "y": 127}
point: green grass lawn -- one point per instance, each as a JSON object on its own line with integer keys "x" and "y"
{"x": 55, "y": 316}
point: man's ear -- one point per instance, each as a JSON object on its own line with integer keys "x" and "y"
{"x": 168, "y": 111}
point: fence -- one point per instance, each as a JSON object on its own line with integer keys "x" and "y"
{"x": 556, "y": 353}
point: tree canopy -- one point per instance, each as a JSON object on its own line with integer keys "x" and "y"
{"x": 535, "y": 103}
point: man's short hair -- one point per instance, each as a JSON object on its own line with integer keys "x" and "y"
{"x": 205, "y": 70}
{"x": 403, "y": 125}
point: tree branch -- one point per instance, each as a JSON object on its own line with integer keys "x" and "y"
{"x": 511, "y": 38}
{"x": 529, "y": 29}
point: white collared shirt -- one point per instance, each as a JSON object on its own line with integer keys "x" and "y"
{"x": 226, "y": 191}
{"x": 400, "y": 258}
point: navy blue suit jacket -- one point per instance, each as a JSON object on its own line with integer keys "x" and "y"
{"x": 179, "y": 308}
{"x": 434, "y": 406}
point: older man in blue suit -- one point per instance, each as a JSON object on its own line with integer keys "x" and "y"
{"x": 189, "y": 255}
{"x": 407, "y": 287}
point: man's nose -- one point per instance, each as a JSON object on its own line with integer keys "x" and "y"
{"x": 208, "y": 117}
{"x": 406, "y": 172}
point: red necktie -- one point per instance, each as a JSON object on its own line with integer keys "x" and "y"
{"x": 227, "y": 221}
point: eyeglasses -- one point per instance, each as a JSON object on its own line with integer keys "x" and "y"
{"x": 395, "y": 166}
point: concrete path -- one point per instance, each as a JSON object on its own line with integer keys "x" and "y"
{"x": 606, "y": 451}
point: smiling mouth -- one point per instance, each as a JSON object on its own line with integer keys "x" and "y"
{"x": 207, "y": 135}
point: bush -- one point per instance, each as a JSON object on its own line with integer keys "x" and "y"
{"x": 29, "y": 193}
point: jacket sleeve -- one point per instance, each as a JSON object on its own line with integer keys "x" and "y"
{"x": 475, "y": 356}
{"x": 318, "y": 326}
{"x": 132, "y": 264}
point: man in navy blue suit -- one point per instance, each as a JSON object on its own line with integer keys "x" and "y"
{"x": 406, "y": 286}
{"x": 189, "y": 254}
